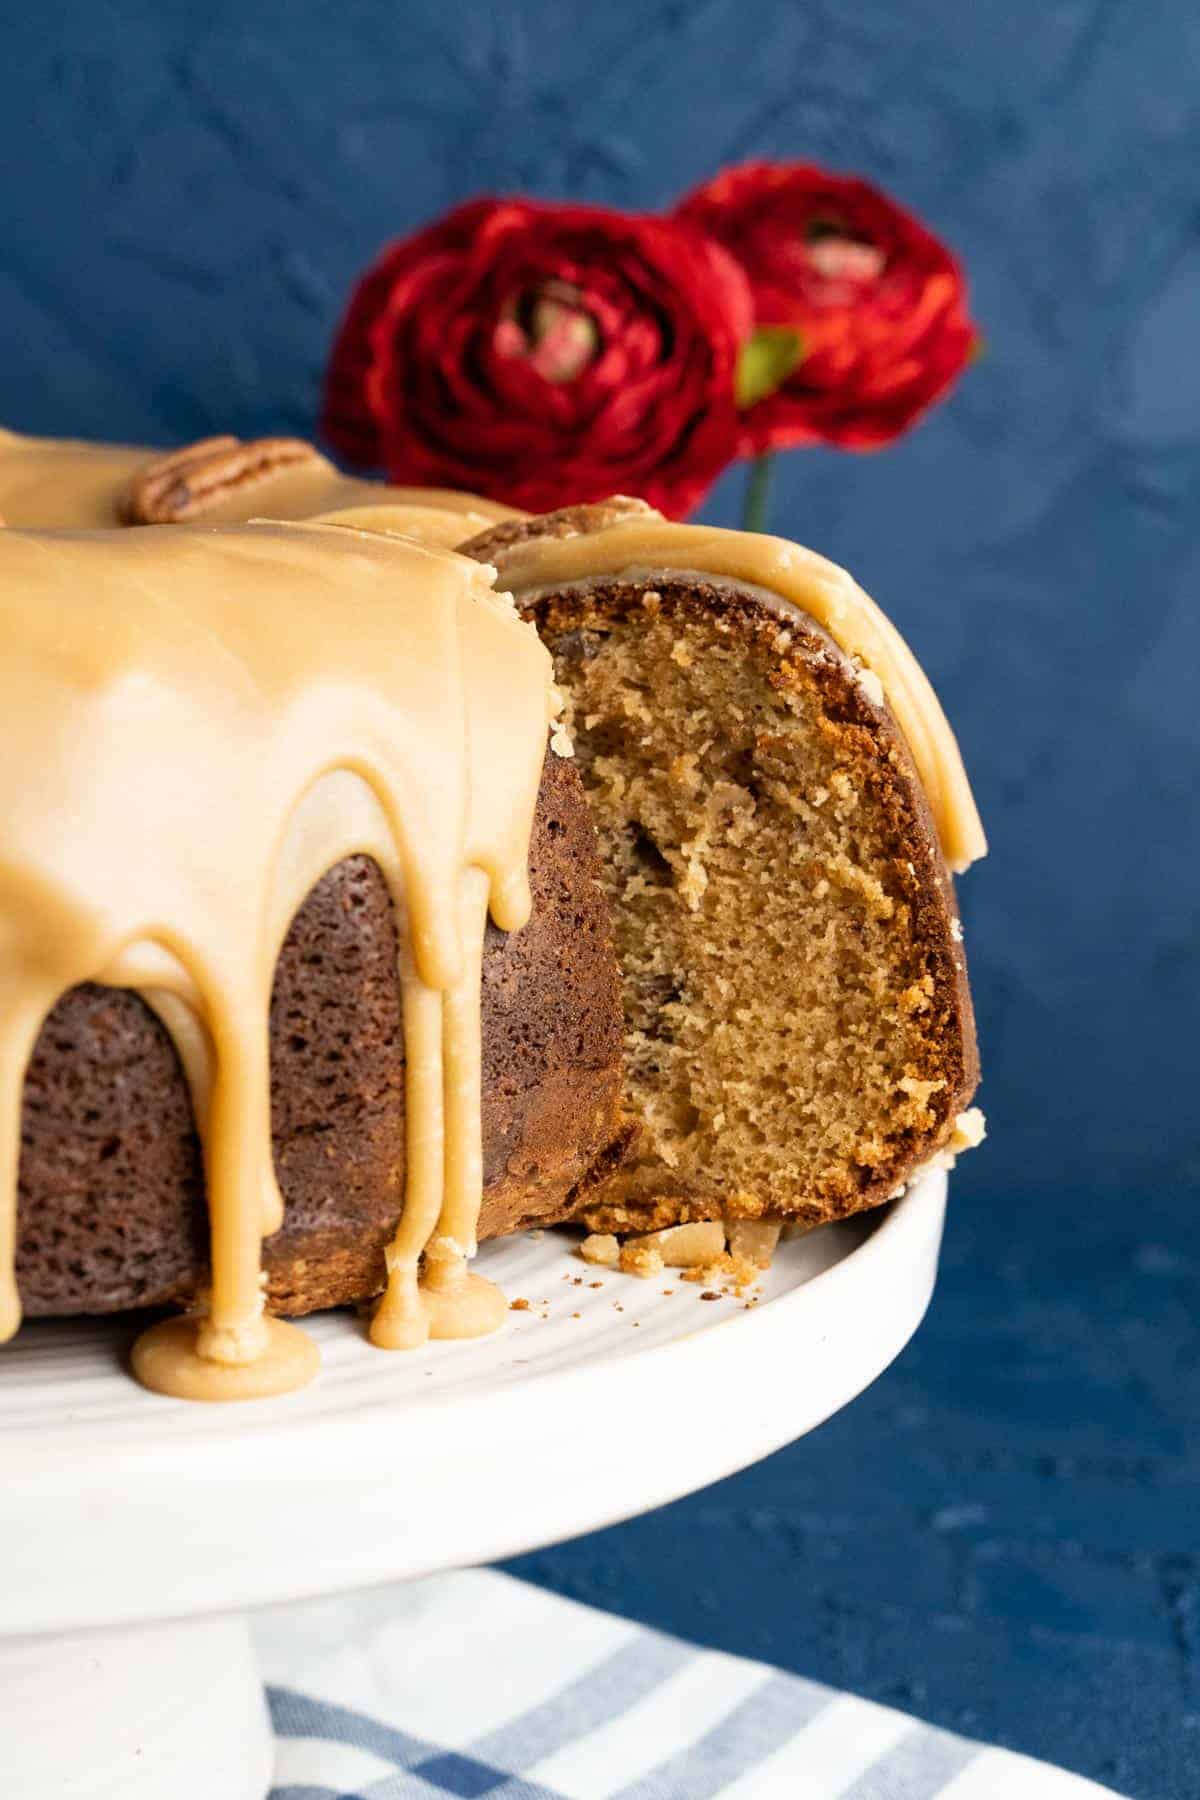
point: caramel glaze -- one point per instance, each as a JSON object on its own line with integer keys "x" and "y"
{"x": 52, "y": 482}
{"x": 199, "y": 724}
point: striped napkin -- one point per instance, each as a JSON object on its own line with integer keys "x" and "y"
{"x": 474, "y": 1684}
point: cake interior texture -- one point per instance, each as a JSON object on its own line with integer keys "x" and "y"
{"x": 797, "y": 1025}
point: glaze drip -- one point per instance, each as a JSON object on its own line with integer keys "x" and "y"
{"x": 200, "y": 724}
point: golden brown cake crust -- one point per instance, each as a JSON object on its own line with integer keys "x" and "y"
{"x": 111, "y": 1209}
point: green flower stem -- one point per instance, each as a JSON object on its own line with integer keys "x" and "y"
{"x": 757, "y": 504}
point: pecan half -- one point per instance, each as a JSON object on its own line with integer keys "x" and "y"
{"x": 567, "y": 522}
{"x": 185, "y": 483}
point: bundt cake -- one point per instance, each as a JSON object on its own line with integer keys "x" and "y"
{"x": 261, "y": 787}
{"x": 49, "y": 482}
{"x": 779, "y": 802}
{"x": 266, "y": 1052}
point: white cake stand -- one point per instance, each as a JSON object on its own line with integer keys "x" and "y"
{"x": 136, "y": 1531}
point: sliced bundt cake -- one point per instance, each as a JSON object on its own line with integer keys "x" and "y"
{"x": 778, "y": 799}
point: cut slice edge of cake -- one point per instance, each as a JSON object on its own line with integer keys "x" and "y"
{"x": 799, "y": 1036}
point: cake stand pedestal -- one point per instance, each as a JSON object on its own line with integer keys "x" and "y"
{"x": 137, "y": 1530}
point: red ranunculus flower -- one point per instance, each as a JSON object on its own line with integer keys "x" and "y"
{"x": 878, "y": 305}
{"x": 542, "y": 355}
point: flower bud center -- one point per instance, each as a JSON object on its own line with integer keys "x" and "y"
{"x": 834, "y": 254}
{"x": 552, "y": 328}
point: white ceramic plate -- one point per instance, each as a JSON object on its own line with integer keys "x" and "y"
{"x": 118, "y": 1506}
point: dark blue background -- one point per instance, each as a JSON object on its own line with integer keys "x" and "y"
{"x": 1003, "y": 1534}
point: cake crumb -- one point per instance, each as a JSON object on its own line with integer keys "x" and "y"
{"x": 518, "y": 1306}
{"x": 754, "y": 1241}
{"x": 638, "y": 1258}
{"x": 871, "y": 686}
{"x": 710, "y": 1294}
{"x": 601, "y": 1248}
{"x": 689, "y": 1246}
{"x": 970, "y": 1129}
{"x": 737, "y": 1272}
{"x": 561, "y": 741}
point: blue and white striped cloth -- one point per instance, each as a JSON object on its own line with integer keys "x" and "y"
{"x": 476, "y": 1685}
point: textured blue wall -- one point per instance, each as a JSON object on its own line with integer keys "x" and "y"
{"x": 1004, "y": 1534}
